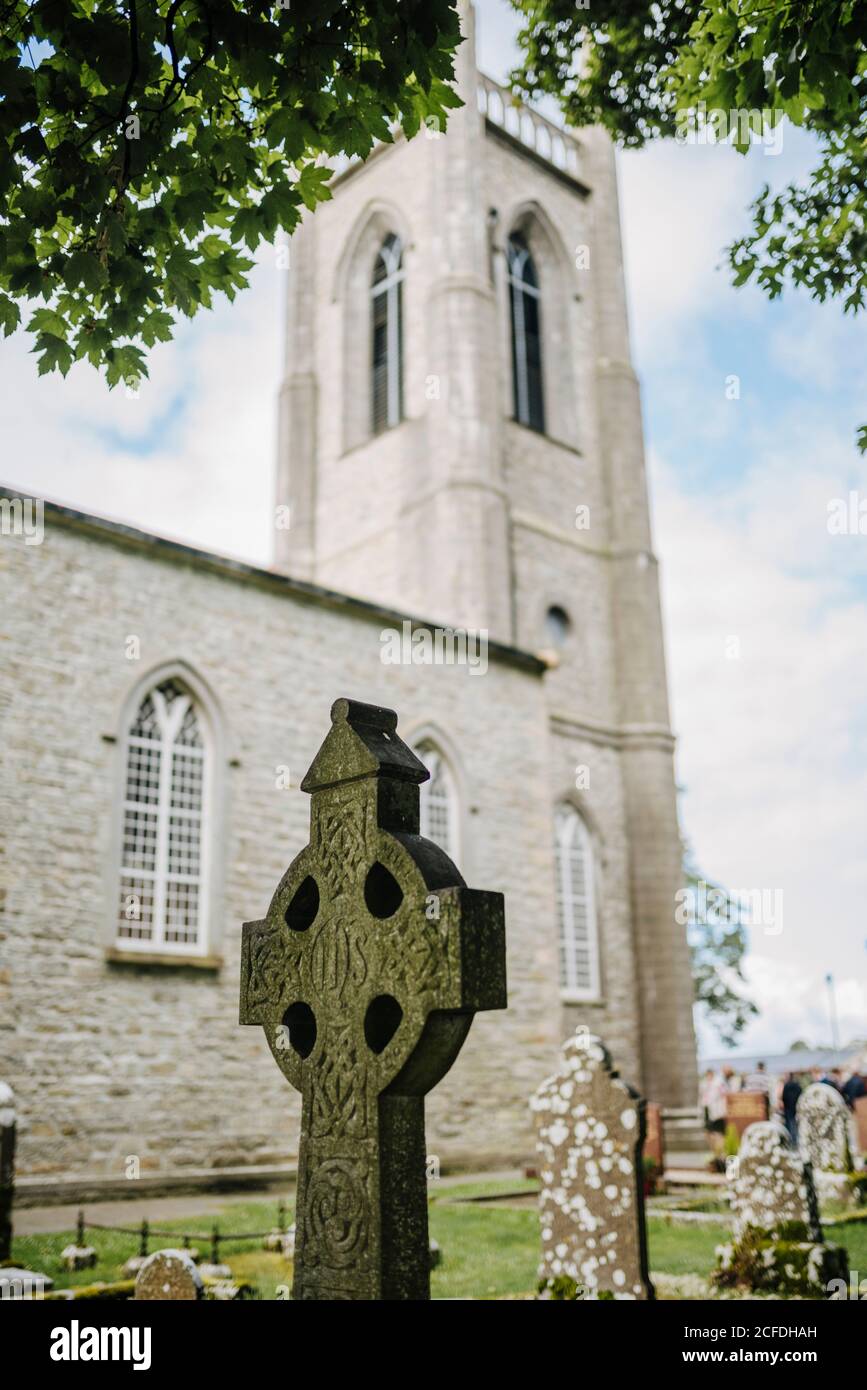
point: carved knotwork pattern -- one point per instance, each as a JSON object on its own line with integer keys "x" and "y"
{"x": 416, "y": 960}
{"x": 338, "y": 1090}
{"x": 341, "y": 847}
{"x": 337, "y": 1223}
{"x": 274, "y": 969}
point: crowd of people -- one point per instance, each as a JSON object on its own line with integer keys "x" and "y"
{"x": 782, "y": 1092}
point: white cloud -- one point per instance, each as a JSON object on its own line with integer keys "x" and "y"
{"x": 795, "y": 1004}
{"x": 770, "y": 744}
{"x": 208, "y": 408}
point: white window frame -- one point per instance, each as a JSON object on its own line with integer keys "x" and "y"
{"x": 516, "y": 259}
{"x": 391, "y": 253}
{"x": 156, "y": 944}
{"x": 568, "y": 822}
{"x": 434, "y": 759}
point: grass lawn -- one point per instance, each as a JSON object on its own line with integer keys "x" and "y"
{"x": 489, "y": 1250}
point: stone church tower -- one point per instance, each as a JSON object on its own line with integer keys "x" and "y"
{"x": 461, "y": 438}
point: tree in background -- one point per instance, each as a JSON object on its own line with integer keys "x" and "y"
{"x": 639, "y": 67}
{"x": 716, "y": 932}
{"x": 144, "y": 143}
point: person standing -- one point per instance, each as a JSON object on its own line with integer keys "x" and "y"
{"x": 853, "y": 1089}
{"x": 791, "y": 1092}
{"x": 759, "y": 1080}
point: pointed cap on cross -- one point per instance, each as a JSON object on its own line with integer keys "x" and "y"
{"x": 362, "y": 742}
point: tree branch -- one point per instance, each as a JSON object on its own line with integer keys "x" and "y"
{"x": 131, "y": 80}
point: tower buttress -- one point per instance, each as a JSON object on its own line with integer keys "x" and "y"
{"x": 295, "y": 547}
{"x": 664, "y": 973}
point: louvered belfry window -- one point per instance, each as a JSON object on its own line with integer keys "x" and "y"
{"x": 161, "y": 879}
{"x": 386, "y": 300}
{"x": 525, "y": 307}
{"x": 438, "y": 802}
{"x": 576, "y": 906}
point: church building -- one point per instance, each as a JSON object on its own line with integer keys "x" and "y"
{"x": 462, "y": 535}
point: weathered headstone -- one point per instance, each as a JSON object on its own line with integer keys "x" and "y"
{"x": 365, "y": 976}
{"x": 590, "y": 1132}
{"x": 169, "y": 1274}
{"x": 772, "y": 1186}
{"x": 7, "y": 1168}
{"x": 861, "y": 1124}
{"x": 778, "y": 1244}
{"x": 745, "y": 1108}
{"x": 823, "y": 1128}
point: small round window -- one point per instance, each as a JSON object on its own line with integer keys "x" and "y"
{"x": 557, "y": 625}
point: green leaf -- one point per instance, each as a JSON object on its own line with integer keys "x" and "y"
{"x": 313, "y": 183}
{"x": 47, "y": 321}
{"x": 10, "y": 315}
{"x": 54, "y": 354}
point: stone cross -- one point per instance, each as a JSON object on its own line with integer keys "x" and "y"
{"x": 7, "y": 1167}
{"x": 365, "y": 975}
{"x": 771, "y": 1186}
{"x": 823, "y": 1128}
{"x": 590, "y": 1134}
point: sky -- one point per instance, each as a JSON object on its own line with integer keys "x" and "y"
{"x": 765, "y": 610}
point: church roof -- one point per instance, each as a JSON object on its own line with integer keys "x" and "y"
{"x": 161, "y": 548}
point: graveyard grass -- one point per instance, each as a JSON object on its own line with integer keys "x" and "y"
{"x": 489, "y": 1249}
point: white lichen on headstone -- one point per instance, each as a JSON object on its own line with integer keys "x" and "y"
{"x": 777, "y": 1243}
{"x": 590, "y": 1131}
{"x": 772, "y": 1185}
{"x": 7, "y": 1105}
{"x": 823, "y": 1129}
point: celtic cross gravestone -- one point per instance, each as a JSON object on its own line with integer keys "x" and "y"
{"x": 365, "y": 975}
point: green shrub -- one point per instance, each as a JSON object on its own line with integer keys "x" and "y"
{"x": 784, "y": 1262}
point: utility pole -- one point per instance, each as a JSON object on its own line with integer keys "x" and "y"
{"x": 832, "y": 1009}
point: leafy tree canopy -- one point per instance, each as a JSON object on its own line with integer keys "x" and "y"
{"x": 716, "y": 932}
{"x": 144, "y": 144}
{"x": 638, "y": 66}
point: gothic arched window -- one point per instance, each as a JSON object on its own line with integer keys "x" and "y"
{"x": 162, "y": 881}
{"x": 576, "y": 906}
{"x": 387, "y": 328}
{"x": 524, "y": 302}
{"x": 439, "y": 801}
